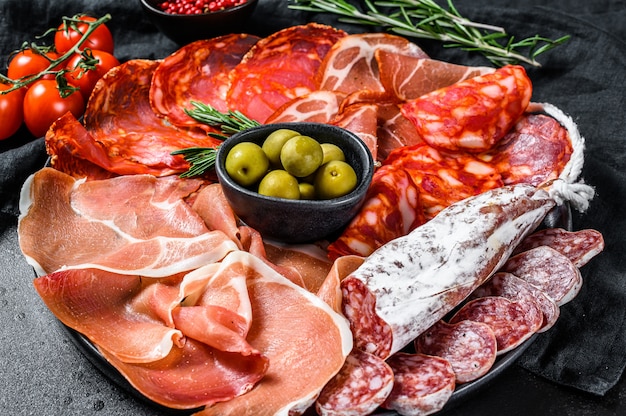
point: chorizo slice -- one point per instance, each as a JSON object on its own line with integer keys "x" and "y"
{"x": 120, "y": 119}
{"x": 472, "y": 115}
{"x": 199, "y": 72}
{"x": 469, "y": 346}
{"x": 535, "y": 151}
{"x": 279, "y": 68}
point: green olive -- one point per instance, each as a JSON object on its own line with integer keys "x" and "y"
{"x": 274, "y": 143}
{"x": 301, "y": 156}
{"x": 334, "y": 179}
{"x": 279, "y": 183}
{"x": 246, "y": 163}
{"x": 332, "y": 152}
{"x": 307, "y": 190}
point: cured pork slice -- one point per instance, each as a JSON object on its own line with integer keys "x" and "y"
{"x": 407, "y": 77}
{"x": 315, "y": 107}
{"x": 279, "y": 68}
{"x": 305, "y": 341}
{"x": 351, "y": 65}
{"x": 394, "y": 130}
{"x": 135, "y": 224}
{"x": 199, "y": 72}
{"x": 181, "y": 340}
{"x": 124, "y": 127}
{"x": 361, "y": 119}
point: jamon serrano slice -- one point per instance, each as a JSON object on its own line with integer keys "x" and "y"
{"x": 351, "y": 65}
{"x": 120, "y": 119}
{"x": 199, "y": 72}
{"x": 279, "y": 68}
{"x": 135, "y": 224}
{"x": 315, "y": 107}
{"x": 305, "y": 341}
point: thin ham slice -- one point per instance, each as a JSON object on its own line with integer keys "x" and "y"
{"x": 199, "y": 71}
{"x": 173, "y": 338}
{"x": 314, "y": 107}
{"x": 305, "y": 341}
{"x": 135, "y": 224}
{"x": 120, "y": 119}
{"x": 279, "y": 68}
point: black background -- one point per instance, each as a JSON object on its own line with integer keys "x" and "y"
{"x": 574, "y": 369}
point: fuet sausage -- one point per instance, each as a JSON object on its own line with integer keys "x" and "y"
{"x": 410, "y": 283}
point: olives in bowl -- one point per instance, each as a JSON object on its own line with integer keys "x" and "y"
{"x": 305, "y": 214}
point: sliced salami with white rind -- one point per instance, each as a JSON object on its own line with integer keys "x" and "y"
{"x": 360, "y": 387}
{"x": 579, "y": 246}
{"x": 512, "y": 322}
{"x": 469, "y": 346}
{"x": 549, "y": 270}
{"x": 422, "y": 384}
{"x": 512, "y": 287}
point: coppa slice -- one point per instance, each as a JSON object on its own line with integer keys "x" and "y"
{"x": 199, "y": 72}
{"x": 351, "y": 66}
{"x": 135, "y": 224}
{"x": 410, "y": 283}
{"x": 279, "y": 68}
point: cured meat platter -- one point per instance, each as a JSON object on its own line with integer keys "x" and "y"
{"x": 162, "y": 283}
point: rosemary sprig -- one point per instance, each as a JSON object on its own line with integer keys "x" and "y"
{"x": 426, "y": 19}
{"x": 229, "y": 122}
{"x": 202, "y": 159}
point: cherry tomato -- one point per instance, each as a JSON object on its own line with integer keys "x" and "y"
{"x": 29, "y": 62}
{"x": 43, "y": 105}
{"x": 86, "y": 79}
{"x": 11, "y": 111}
{"x": 66, "y": 37}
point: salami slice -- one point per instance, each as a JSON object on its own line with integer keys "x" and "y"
{"x": 279, "y": 68}
{"x": 360, "y": 387}
{"x": 423, "y": 384}
{"x": 535, "y": 151}
{"x": 469, "y": 346}
{"x": 199, "y": 72}
{"x": 512, "y": 322}
{"x": 549, "y": 270}
{"x": 410, "y": 283}
{"x": 518, "y": 290}
{"x": 472, "y": 115}
{"x": 579, "y": 246}
{"x": 120, "y": 119}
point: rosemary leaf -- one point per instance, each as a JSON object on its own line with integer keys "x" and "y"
{"x": 201, "y": 160}
{"x": 427, "y": 20}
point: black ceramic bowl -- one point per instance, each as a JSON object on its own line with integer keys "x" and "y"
{"x": 184, "y": 29}
{"x": 298, "y": 221}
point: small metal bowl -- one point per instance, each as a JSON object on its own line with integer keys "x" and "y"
{"x": 183, "y": 29}
{"x": 298, "y": 221}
